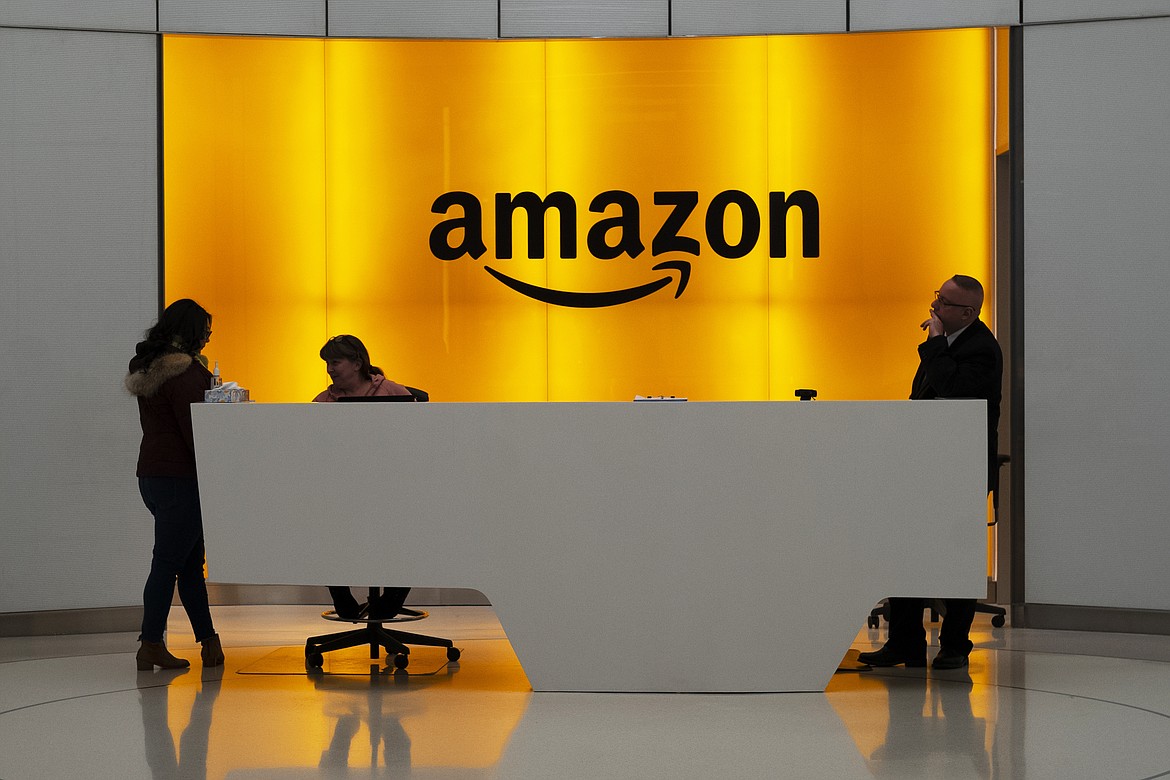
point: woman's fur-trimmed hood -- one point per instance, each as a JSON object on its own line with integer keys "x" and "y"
{"x": 146, "y": 383}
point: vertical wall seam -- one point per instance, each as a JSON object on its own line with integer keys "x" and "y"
{"x": 1018, "y": 413}
{"x": 160, "y": 189}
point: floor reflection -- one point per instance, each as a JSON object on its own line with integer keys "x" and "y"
{"x": 931, "y": 730}
{"x": 387, "y": 744}
{"x": 1023, "y": 710}
{"x": 190, "y": 760}
{"x": 382, "y": 723}
{"x": 796, "y": 735}
{"x": 934, "y": 724}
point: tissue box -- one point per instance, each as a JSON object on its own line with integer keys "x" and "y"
{"x": 225, "y": 395}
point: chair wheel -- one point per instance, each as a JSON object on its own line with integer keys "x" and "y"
{"x": 401, "y": 660}
{"x": 314, "y": 660}
{"x": 453, "y": 653}
{"x": 998, "y": 621}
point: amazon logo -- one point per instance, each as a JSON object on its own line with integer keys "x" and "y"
{"x": 617, "y": 232}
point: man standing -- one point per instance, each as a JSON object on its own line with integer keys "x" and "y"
{"x": 959, "y": 359}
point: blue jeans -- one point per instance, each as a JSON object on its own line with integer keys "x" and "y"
{"x": 178, "y": 556}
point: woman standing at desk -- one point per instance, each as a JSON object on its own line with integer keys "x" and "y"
{"x": 347, "y": 362}
{"x": 167, "y": 375}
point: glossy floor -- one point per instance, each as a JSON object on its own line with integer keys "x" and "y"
{"x": 1033, "y": 704}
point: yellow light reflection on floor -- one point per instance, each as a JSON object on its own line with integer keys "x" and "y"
{"x": 947, "y": 720}
{"x": 454, "y": 719}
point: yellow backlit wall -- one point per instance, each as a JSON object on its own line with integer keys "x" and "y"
{"x": 300, "y": 177}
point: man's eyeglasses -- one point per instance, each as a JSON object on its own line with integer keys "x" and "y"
{"x": 941, "y": 301}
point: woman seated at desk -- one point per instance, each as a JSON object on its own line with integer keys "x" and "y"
{"x": 348, "y": 363}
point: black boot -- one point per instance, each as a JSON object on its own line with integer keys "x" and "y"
{"x": 212, "y": 653}
{"x": 152, "y": 654}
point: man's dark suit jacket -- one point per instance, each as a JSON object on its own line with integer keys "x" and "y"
{"x": 972, "y": 367}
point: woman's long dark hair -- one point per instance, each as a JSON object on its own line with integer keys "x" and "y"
{"x": 181, "y": 328}
{"x": 347, "y": 347}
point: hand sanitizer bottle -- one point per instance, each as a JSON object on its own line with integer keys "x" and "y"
{"x": 216, "y": 379}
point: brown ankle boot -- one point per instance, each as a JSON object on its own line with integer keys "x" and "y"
{"x": 152, "y": 654}
{"x": 212, "y": 653}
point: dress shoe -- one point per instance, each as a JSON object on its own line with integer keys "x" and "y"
{"x": 888, "y": 656}
{"x": 212, "y": 653}
{"x": 152, "y": 654}
{"x": 949, "y": 659}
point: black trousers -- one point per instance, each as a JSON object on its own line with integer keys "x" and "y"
{"x": 385, "y": 604}
{"x": 907, "y": 634}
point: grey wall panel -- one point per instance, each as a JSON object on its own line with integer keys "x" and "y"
{"x": 78, "y": 284}
{"x": 248, "y": 17}
{"x": 136, "y": 15}
{"x": 1097, "y": 359}
{"x": 584, "y": 18}
{"x": 923, "y": 14}
{"x": 748, "y": 17}
{"x": 1069, "y": 10}
{"x": 414, "y": 18}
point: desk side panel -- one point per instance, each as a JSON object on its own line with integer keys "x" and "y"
{"x": 658, "y": 534}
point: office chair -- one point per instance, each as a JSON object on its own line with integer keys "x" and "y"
{"x": 936, "y": 606}
{"x": 373, "y": 633}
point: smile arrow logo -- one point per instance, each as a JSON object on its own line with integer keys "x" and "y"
{"x": 596, "y": 300}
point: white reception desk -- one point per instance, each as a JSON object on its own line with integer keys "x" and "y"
{"x": 624, "y": 546}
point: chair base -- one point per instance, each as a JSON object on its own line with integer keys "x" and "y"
{"x": 882, "y": 610}
{"x": 373, "y": 633}
{"x": 998, "y": 614}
